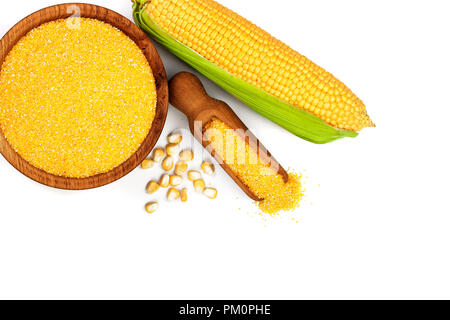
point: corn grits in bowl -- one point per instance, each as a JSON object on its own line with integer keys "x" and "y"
{"x": 77, "y": 97}
{"x": 83, "y": 96}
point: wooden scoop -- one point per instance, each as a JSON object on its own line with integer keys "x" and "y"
{"x": 189, "y": 96}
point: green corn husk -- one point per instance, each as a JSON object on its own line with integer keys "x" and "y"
{"x": 300, "y": 122}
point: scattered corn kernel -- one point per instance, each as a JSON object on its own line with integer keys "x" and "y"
{"x": 151, "y": 207}
{"x": 208, "y": 168}
{"x": 194, "y": 175}
{"x": 181, "y": 168}
{"x": 152, "y": 187}
{"x": 158, "y": 155}
{"x": 147, "y": 164}
{"x": 175, "y": 138}
{"x": 199, "y": 185}
{"x": 167, "y": 163}
{"x": 165, "y": 181}
{"x": 186, "y": 155}
{"x": 210, "y": 193}
{"x": 173, "y": 194}
{"x": 175, "y": 180}
{"x": 184, "y": 195}
{"x": 263, "y": 180}
{"x": 76, "y": 102}
{"x": 172, "y": 149}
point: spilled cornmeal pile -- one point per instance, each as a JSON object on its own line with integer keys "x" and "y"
{"x": 77, "y": 97}
{"x": 263, "y": 180}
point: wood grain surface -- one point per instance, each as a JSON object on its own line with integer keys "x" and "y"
{"x": 189, "y": 96}
{"x": 131, "y": 30}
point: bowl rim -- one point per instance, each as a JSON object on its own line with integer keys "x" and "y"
{"x": 85, "y": 10}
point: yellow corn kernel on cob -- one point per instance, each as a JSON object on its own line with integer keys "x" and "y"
{"x": 248, "y": 53}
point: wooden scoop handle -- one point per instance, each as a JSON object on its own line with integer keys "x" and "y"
{"x": 189, "y": 96}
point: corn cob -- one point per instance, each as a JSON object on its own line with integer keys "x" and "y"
{"x": 258, "y": 69}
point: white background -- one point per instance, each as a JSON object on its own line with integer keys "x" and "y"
{"x": 375, "y": 222}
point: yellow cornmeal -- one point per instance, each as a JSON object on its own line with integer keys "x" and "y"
{"x": 263, "y": 180}
{"x": 77, "y": 97}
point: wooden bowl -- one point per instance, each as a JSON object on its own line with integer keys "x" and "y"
{"x": 63, "y": 11}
